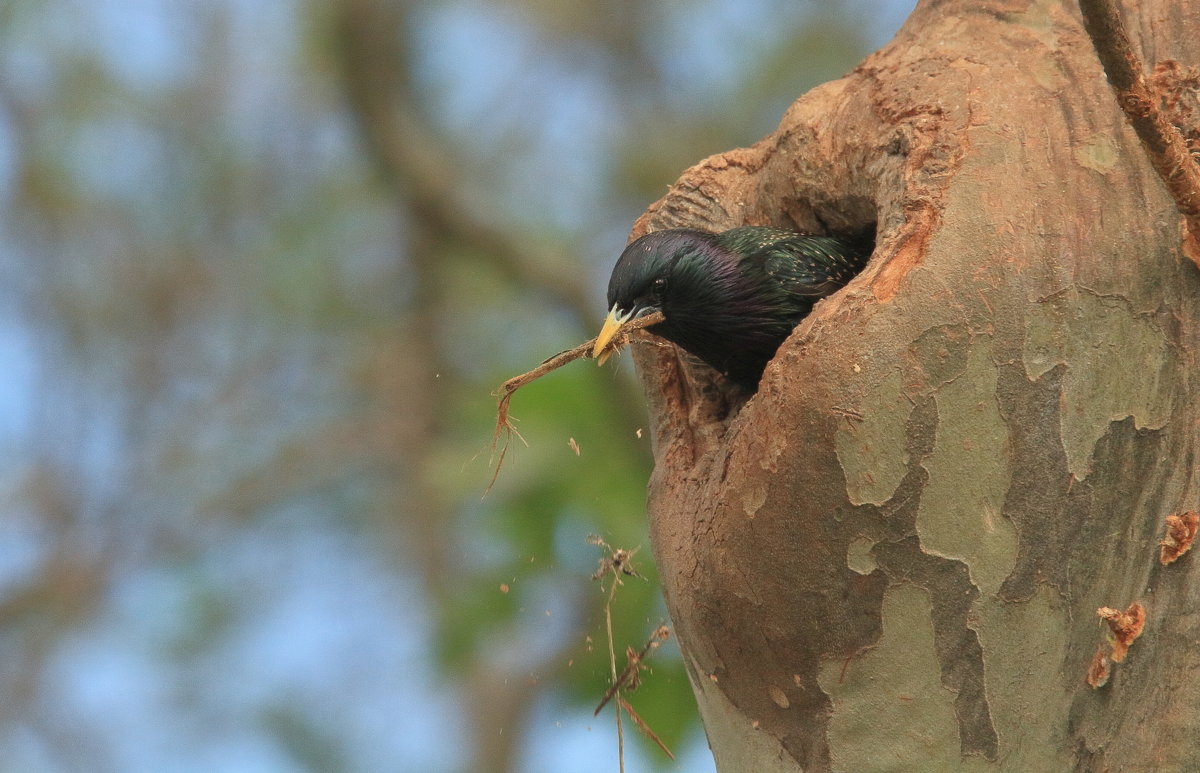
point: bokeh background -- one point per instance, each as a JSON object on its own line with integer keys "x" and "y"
{"x": 263, "y": 263}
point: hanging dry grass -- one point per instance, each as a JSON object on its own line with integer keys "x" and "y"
{"x": 504, "y": 426}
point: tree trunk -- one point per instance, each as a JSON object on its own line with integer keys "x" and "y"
{"x": 891, "y": 557}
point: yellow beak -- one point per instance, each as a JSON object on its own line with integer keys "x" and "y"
{"x": 612, "y": 324}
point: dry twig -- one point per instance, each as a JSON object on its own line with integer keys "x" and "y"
{"x": 504, "y": 426}
{"x": 1163, "y": 142}
{"x": 646, "y": 731}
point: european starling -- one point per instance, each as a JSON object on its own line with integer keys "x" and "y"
{"x": 729, "y": 298}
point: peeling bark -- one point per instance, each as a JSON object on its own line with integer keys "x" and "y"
{"x": 891, "y": 557}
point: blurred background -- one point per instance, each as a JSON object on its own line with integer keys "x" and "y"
{"x": 264, "y": 262}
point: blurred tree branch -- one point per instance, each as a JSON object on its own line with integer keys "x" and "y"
{"x": 419, "y": 166}
{"x": 423, "y": 172}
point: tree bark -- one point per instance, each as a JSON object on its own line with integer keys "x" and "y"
{"x": 891, "y": 557}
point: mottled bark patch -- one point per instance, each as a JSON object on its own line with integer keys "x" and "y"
{"x": 959, "y": 654}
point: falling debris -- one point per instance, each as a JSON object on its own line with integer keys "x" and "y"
{"x": 631, "y": 677}
{"x": 613, "y": 565}
{"x": 619, "y": 561}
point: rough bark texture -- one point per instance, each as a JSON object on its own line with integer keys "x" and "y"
{"x": 891, "y": 557}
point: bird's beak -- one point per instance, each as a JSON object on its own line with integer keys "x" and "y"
{"x": 612, "y": 323}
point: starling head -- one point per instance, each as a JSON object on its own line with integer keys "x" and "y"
{"x": 729, "y": 298}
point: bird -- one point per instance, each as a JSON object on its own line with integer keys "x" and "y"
{"x": 729, "y": 298}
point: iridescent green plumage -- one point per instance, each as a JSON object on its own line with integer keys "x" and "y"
{"x": 730, "y": 298}
{"x": 806, "y": 267}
